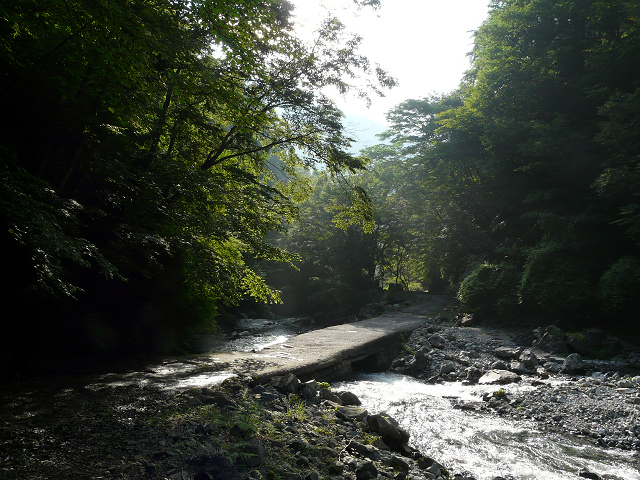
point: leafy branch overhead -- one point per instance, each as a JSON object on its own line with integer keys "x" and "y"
{"x": 176, "y": 129}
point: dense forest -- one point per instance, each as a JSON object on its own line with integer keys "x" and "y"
{"x": 165, "y": 160}
{"x": 148, "y": 148}
{"x": 519, "y": 191}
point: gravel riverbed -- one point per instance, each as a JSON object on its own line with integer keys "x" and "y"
{"x": 598, "y": 399}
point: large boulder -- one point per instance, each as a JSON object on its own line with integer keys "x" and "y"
{"x": 437, "y": 340}
{"x": 508, "y": 353}
{"x": 348, "y": 398}
{"x": 593, "y": 343}
{"x": 573, "y": 364}
{"x": 553, "y": 341}
{"x": 288, "y": 383}
{"x": 389, "y": 429}
{"x": 499, "y": 377}
{"x": 351, "y": 413}
{"x": 529, "y": 359}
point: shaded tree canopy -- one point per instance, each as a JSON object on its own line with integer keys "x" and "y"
{"x": 526, "y": 176}
{"x": 519, "y": 190}
{"x": 148, "y": 148}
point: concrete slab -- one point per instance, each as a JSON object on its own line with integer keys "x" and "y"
{"x": 325, "y": 354}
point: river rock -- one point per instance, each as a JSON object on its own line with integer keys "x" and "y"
{"x": 326, "y": 394}
{"x": 252, "y": 454}
{"x": 351, "y": 413}
{"x": 367, "y": 471}
{"x": 499, "y": 365}
{"x": 499, "y": 377}
{"x": 388, "y": 429}
{"x": 473, "y": 374}
{"x": 348, "y": 398}
{"x": 518, "y": 367}
{"x": 288, "y": 383}
{"x": 529, "y": 359}
{"x": 553, "y": 341}
{"x": 508, "y": 353}
{"x": 437, "y": 341}
{"x": 447, "y": 367}
{"x": 573, "y": 364}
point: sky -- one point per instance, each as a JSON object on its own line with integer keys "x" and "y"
{"x": 422, "y": 43}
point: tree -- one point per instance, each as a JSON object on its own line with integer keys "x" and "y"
{"x": 525, "y": 178}
{"x": 150, "y": 147}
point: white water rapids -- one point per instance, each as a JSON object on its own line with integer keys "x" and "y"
{"x": 482, "y": 445}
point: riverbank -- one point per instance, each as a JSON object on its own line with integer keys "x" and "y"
{"x": 525, "y": 378}
{"x": 284, "y": 430}
{"x": 83, "y": 427}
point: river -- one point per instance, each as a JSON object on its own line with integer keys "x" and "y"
{"x": 482, "y": 445}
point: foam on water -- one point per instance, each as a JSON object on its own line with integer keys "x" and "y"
{"x": 481, "y": 444}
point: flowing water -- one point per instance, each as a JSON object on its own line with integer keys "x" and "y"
{"x": 482, "y": 445}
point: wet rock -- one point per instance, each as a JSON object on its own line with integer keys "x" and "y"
{"x": 573, "y": 364}
{"x": 447, "y": 368}
{"x": 499, "y": 377}
{"x": 348, "y": 398}
{"x": 584, "y": 473}
{"x": 389, "y": 429}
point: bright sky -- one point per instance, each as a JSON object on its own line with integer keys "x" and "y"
{"x": 422, "y": 43}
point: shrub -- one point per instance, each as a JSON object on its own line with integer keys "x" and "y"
{"x": 554, "y": 280}
{"x": 489, "y": 288}
{"x": 619, "y": 286}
